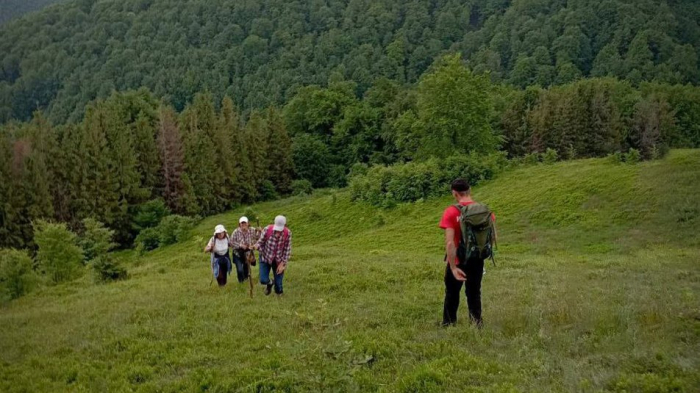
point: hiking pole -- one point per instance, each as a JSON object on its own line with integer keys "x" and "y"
{"x": 250, "y": 271}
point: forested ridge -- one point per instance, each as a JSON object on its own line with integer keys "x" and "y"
{"x": 260, "y": 53}
{"x": 114, "y": 109}
{"x": 10, "y": 9}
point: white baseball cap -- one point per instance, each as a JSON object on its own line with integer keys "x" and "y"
{"x": 242, "y": 220}
{"x": 280, "y": 222}
{"x": 219, "y": 229}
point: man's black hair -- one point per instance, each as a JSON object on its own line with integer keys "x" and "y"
{"x": 461, "y": 186}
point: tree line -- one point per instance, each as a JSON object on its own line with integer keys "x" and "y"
{"x": 130, "y": 149}
{"x": 261, "y": 53}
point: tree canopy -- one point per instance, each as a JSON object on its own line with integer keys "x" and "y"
{"x": 261, "y": 53}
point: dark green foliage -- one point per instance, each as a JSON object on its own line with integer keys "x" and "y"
{"x": 387, "y": 186}
{"x": 147, "y": 240}
{"x": 302, "y": 187}
{"x": 59, "y": 257}
{"x": 633, "y": 156}
{"x": 107, "y": 269}
{"x": 95, "y": 239}
{"x": 170, "y": 230}
{"x": 261, "y": 53}
{"x": 312, "y": 159}
{"x": 10, "y": 9}
{"x": 173, "y": 229}
{"x": 453, "y": 111}
{"x": 149, "y": 214}
{"x": 17, "y": 276}
{"x": 596, "y": 117}
{"x": 550, "y": 156}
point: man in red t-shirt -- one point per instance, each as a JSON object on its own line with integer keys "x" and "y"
{"x": 458, "y": 272}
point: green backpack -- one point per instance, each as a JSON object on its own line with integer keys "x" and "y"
{"x": 478, "y": 232}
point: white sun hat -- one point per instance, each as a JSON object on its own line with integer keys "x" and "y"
{"x": 219, "y": 229}
{"x": 242, "y": 220}
{"x": 280, "y": 222}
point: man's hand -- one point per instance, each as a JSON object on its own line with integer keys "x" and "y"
{"x": 280, "y": 268}
{"x": 459, "y": 274}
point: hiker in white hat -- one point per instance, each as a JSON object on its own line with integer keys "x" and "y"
{"x": 220, "y": 261}
{"x": 275, "y": 247}
{"x": 242, "y": 241}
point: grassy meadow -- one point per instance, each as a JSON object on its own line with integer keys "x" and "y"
{"x": 596, "y": 288}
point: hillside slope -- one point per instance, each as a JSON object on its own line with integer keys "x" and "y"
{"x": 597, "y": 288}
{"x": 260, "y": 52}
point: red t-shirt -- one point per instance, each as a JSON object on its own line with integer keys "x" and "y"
{"x": 450, "y": 219}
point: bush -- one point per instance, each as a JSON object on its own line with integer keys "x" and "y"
{"x": 616, "y": 158}
{"x": 302, "y": 187}
{"x": 531, "y": 159}
{"x": 59, "y": 256}
{"x": 633, "y": 156}
{"x": 149, "y": 214}
{"x": 387, "y": 186}
{"x": 106, "y": 269}
{"x": 17, "y": 276}
{"x": 550, "y": 156}
{"x": 267, "y": 191}
{"x": 147, "y": 240}
{"x": 173, "y": 229}
{"x": 96, "y": 240}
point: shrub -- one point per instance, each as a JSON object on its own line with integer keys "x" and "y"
{"x": 616, "y": 158}
{"x": 633, "y": 156}
{"x": 386, "y": 186}
{"x": 173, "y": 229}
{"x": 531, "y": 159}
{"x": 267, "y": 191}
{"x": 149, "y": 214}
{"x": 106, "y": 269}
{"x": 17, "y": 276}
{"x": 59, "y": 256}
{"x": 96, "y": 240}
{"x": 302, "y": 187}
{"x": 147, "y": 240}
{"x": 550, "y": 156}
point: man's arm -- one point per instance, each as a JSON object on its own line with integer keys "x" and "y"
{"x": 262, "y": 239}
{"x": 451, "y": 252}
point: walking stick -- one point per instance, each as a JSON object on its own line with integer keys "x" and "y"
{"x": 250, "y": 271}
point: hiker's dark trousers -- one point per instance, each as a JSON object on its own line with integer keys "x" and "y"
{"x": 474, "y": 270}
{"x": 224, "y": 266}
{"x": 239, "y": 258}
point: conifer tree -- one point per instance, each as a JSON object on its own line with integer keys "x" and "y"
{"x": 172, "y": 157}
{"x": 279, "y": 152}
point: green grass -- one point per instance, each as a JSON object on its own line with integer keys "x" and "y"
{"x": 597, "y": 288}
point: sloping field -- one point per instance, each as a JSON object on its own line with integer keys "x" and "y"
{"x": 597, "y": 288}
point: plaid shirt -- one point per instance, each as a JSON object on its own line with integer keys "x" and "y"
{"x": 275, "y": 248}
{"x": 239, "y": 238}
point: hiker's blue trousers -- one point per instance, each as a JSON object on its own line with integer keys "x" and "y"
{"x": 265, "y": 275}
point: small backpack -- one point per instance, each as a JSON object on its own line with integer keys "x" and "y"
{"x": 478, "y": 232}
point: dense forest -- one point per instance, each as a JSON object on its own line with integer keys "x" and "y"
{"x": 262, "y": 52}
{"x": 116, "y": 110}
{"x": 130, "y": 150}
{"x": 10, "y": 9}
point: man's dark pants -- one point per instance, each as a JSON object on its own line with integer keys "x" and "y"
{"x": 239, "y": 258}
{"x": 474, "y": 270}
